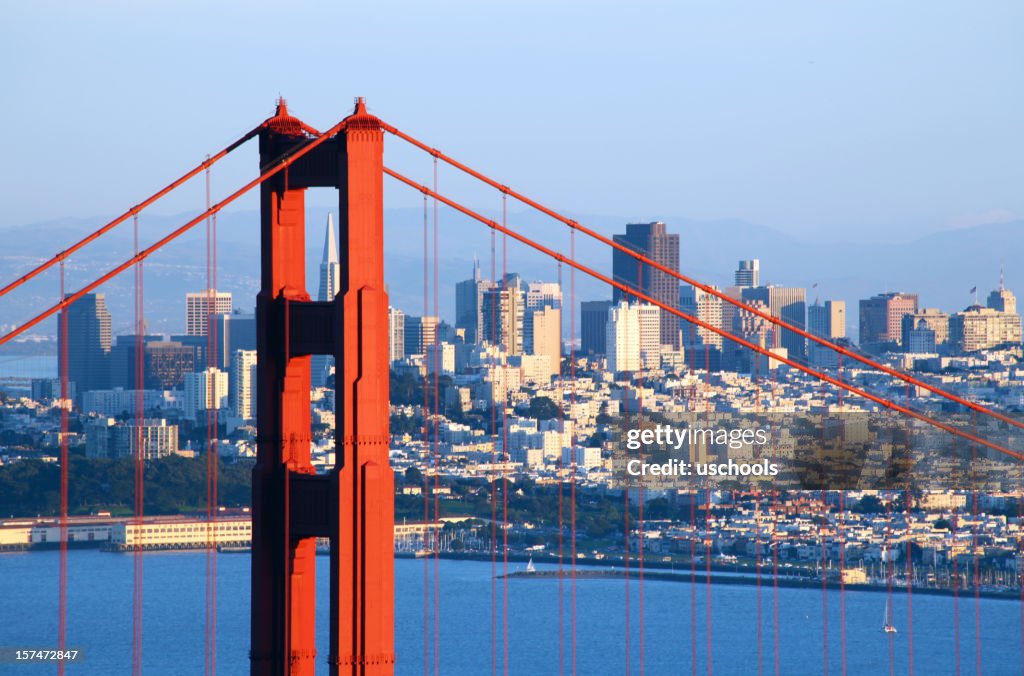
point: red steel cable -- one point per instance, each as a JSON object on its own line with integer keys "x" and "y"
{"x": 437, "y": 457}
{"x": 822, "y": 533}
{"x": 956, "y": 590}
{"x": 707, "y": 513}
{"x": 266, "y": 174}
{"x": 886, "y": 403}
{"x": 572, "y": 378}
{"x": 693, "y": 519}
{"x": 426, "y": 445}
{"x": 910, "y": 562}
{"x": 505, "y": 330}
{"x": 707, "y": 289}
{"x": 640, "y": 502}
{"x": 494, "y": 477}
{"x": 561, "y": 469}
{"x": 65, "y": 404}
{"x": 974, "y": 551}
{"x": 625, "y": 554}
{"x": 63, "y": 255}
{"x": 888, "y": 580}
{"x": 139, "y": 460}
{"x": 842, "y": 536}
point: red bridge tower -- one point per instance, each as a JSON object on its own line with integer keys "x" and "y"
{"x": 354, "y": 504}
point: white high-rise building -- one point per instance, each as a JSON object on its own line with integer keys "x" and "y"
{"x": 330, "y": 281}
{"x": 200, "y": 306}
{"x": 204, "y": 391}
{"x": 650, "y": 335}
{"x": 623, "y": 337}
{"x": 396, "y": 334}
{"x": 243, "y": 384}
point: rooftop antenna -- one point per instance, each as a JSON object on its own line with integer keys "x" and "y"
{"x": 1002, "y": 287}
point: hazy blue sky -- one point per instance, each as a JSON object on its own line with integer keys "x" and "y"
{"x": 893, "y": 117}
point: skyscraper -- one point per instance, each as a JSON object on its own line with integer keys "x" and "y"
{"x": 396, "y": 334}
{"x": 469, "y": 296}
{"x": 419, "y": 332}
{"x": 88, "y": 346}
{"x": 330, "y": 268}
{"x": 199, "y": 309}
{"x": 243, "y": 384}
{"x": 881, "y": 320}
{"x": 503, "y": 316}
{"x": 330, "y": 276}
{"x": 622, "y": 341}
{"x": 544, "y": 335}
{"x": 789, "y": 304}
{"x": 705, "y": 307}
{"x": 1002, "y": 299}
{"x": 593, "y": 323}
{"x": 827, "y": 320}
{"x": 748, "y": 273}
{"x": 653, "y": 241}
{"x": 205, "y": 390}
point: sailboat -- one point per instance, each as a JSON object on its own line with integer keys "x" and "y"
{"x": 530, "y": 568}
{"x": 887, "y": 622}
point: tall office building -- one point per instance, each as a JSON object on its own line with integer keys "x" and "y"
{"x": 1002, "y": 299}
{"x": 242, "y": 380}
{"x": 469, "y": 295}
{"x": 200, "y": 306}
{"x": 756, "y": 330}
{"x": 705, "y": 307}
{"x": 543, "y": 294}
{"x": 88, "y": 345}
{"x": 593, "y": 325}
{"x": 419, "y": 332}
{"x": 235, "y": 331}
{"x": 789, "y": 304}
{"x": 748, "y": 273}
{"x": 396, "y": 334}
{"x": 544, "y": 335}
{"x": 650, "y": 335}
{"x": 881, "y": 320}
{"x": 121, "y": 362}
{"x": 503, "y": 316}
{"x": 330, "y": 278}
{"x": 622, "y": 341}
{"x": 653, "y": 241}
{"x": 205, "y": 390}
{"x": 827, "y": 320}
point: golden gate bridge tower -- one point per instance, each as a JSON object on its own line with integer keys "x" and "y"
{"x": 353, "y": 505}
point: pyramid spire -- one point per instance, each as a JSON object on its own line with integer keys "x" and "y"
{"x": 330, "y": 244}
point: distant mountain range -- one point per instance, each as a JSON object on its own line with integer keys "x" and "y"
{"x": 941, "y": 267}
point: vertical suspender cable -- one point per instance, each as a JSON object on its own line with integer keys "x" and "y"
{"x": 437, "y": 455}
{"x": 910, "y": 560}
{"x": 492, "y": 296}
{"x": 65, "y": 404}
{"x": 572, "y": 377}
{"x": 693, "y": 515}
{"x": 842, "y": 536}
{"x": 140, "y": 467}
{"x": 426, "y": 449}
{"x": 560, "y": 482}
{"x": 509, "y": 331}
